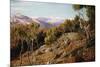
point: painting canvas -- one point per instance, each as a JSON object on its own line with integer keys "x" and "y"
{"x": 44, "y": 33}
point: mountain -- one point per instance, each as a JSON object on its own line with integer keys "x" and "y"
{"x": 44, "y": 22}
{"x": 56, "y": 21}
{"x": 49, "y": 22}
{"x": 21, "y": 19}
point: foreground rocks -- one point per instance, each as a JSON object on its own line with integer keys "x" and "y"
{"x": 69, "y": 48}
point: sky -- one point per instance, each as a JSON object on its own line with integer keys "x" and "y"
{"x": 41, "y": 9}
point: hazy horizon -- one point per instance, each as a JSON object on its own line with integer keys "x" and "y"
{"x": 42, "y": 9}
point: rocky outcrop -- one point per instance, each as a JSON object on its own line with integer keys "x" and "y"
{"x": 69, "y": 48}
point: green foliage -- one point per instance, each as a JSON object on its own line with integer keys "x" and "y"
{"x": 40, "y": 37}
{"x": 67, "y": 26}
{"x": 90, "y": 12}
{"x": 52, "y": 35}
{"x": 76, "y": 18}
{"x": 20, "y": 31}
{"x": 78, "y": 7}
{"x": 34, "y": 25}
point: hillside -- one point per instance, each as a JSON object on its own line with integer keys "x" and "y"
{"x": 65, "y": 43}
{"x": 51, "y": 33}
{"x": 42, "y": 21}
{"x": 61, "y": 51}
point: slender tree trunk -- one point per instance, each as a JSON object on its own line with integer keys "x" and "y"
{"x": 28, "y": 44}
{"x": 21, "y": 52}
{"x": 32, "y": 49}
{"x": 37, "y": 44}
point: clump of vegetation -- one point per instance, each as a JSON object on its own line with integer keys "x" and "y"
{"x": 69, "y": 42}
{"x": 52, "y": 35}
{"x": 19, "y": 31}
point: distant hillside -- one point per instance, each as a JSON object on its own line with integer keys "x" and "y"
{"x": 42, "y": 21}
{"x": 21, "y": 19}
{"x": 50, "y": 22}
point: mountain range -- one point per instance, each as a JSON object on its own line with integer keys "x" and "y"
{"x": 45, "y": 22}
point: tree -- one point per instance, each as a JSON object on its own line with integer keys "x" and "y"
{"x": 76, "y": 18}
{"x": 90, "y": 12}
{"x": 52, "y": 35}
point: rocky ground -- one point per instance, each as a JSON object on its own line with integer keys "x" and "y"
{"x": 69, "y": 48}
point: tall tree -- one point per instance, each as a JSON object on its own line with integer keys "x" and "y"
{"x": 90, "y": 12}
